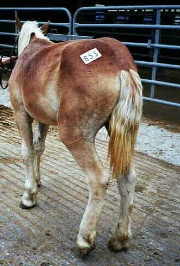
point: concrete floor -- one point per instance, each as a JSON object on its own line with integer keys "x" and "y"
{"x": 46, "y": 235}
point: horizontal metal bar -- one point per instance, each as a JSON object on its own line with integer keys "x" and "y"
{"x": 156, "y": 82}
{"x": 162, "y": 101}
{"x": 132, "y": 26}
{"x": 154, "y": 64}
{"x": 6, "y": 20}
{"x": 152, "y": 45}
{"x": 66, "y": 37}
{"x": 166, "y": 46}
{"x": 67, "y": 24}
{"x": 8, "y": 33}
{"x": 35, "y": 8}
{"x": 56, "y": 23}
{"x": 6, "y": 46}
{"x": 132, "y": 7}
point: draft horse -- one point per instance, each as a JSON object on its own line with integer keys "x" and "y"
{"x": 79, "y": 86}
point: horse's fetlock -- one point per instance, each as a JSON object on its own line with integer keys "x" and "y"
{"x": 90, "y": 237}
{"x": 32, "y": 189}
{"x": 86, "y": 240}
{"x": 27, "y": 154}
{"x": 123, "y": 236}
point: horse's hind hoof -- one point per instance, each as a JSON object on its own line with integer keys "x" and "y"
{"x": 117, "y": 249}
{"x": 22, "y": 206}
{"x": 117, "y": 246}
{"x": 83, "y": 252}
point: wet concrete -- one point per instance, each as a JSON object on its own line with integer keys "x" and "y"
{"x": 46, "y": 235}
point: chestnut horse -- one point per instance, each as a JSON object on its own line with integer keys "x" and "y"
{"x": 79, "y": 86}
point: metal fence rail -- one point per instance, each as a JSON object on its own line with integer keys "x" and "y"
{"x": 153, "y": 43}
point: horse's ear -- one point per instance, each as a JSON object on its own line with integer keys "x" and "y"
{"x": 18, "y": 23}
{"x": 45, "y": 27}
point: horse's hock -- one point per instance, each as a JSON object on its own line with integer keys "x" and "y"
{"x": 46, "y": 235}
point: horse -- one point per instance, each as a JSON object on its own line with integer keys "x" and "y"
{"x": 79, "y": 86}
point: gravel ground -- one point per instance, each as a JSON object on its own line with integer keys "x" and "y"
{"x": 152, "y": 140}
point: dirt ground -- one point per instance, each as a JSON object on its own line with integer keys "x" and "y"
{"x": 46, "y": 234}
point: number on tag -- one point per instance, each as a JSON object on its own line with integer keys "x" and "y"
{"x": 90, "y": 56}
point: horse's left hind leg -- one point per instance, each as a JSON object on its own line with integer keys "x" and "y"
{"x": 39, "y": 146}
{"x": 121, "y": 238}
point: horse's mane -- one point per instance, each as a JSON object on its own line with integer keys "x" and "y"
{"x": 27, "y": 29}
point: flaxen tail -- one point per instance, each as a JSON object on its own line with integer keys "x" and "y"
{"x": 124, "y": 122}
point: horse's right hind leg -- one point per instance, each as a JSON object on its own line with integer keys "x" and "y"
{"x": 24, "y": 124}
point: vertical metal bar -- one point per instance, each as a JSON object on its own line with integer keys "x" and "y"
{"x": 156, "y": 53}
{"x": 15, "y": 15}
{"x": 74, "y": 21}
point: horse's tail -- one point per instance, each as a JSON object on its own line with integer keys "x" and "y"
{"x": 124, "y": 122}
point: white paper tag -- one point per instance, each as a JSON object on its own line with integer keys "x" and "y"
{"x": 90, "y": 56}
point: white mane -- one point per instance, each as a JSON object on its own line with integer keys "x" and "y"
{"x": 25, "y": 34}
